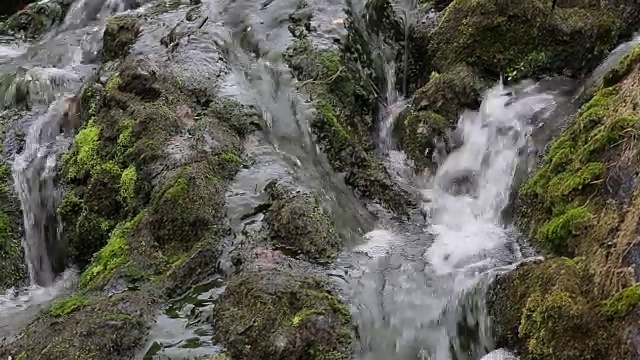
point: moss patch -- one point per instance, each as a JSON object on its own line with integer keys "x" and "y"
{"x": 623, "y": 302}
{"x": 345, "y": 105}
{"x": 11, "y": 252}
{"x": 68, "y": 305}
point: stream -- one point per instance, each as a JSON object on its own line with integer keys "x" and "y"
{"x": 416, "y": 287}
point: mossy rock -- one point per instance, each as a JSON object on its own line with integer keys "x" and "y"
{"x": 524, "y": 38}
{"x": 299, "y": 224}
{"x": 435, "y": 111}
{"x": 34, "y": 20}
{"x": 186, "y": 207}
{"x": 119, "y": 35}
{"x": 276, "y": 313}
{"x": 553, "y": 206}
{"x": 541, "y": 311}
{"x": 109, "y": 328}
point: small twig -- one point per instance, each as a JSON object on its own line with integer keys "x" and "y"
{"x": 330, "y": 79}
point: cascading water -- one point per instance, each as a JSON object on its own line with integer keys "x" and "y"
{"x": 34, "y": 179}
{"x": 418, "y": 297}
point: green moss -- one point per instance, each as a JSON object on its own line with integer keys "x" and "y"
{"x": 128, "y": 182}
{"x": 571, "y": 170}
{"x": 337, "y": 130}
{"x": 125, "y": 136}
{"x": 303, "y": 314}
{"x": 83, "y": 156}
{"x": 622, "y": 303}
{"x": 68, "y": 305}
{"x": 111, "y": 256}
{"x": 556, "y": 233}
{"x": 113, "y": 83}
{"x": 547, "y": 319}
{"x": 12, "y": 265}
{"x": 627, "y": 64}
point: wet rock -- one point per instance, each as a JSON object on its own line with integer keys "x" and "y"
{"x": 481, "y": 35}
{"x": 120, "y": 34}
{"x": 280, "y": 313}
{"x": 35, "y": 19}
{"x": 299, "y": 224}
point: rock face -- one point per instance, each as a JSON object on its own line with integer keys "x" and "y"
{"x": 581, "y": 206}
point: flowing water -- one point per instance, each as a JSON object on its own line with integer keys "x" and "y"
{"x": 418, "y": 290}
{"x": 417, "y": 287}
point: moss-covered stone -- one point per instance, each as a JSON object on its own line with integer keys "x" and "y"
{"x": 526, "y": 38}
{"x": 108, "y": 327}
{"x": 299, "y": 224}
{"x": 582, "y": 202}
{"x": 435, "y": 111}
{"x": 35, "y": 19}
{"x": 277, "y": 313}
{"x": 119, "y": 35}
{"x": 186, "y": 207}
{"x": 542, "y": 311}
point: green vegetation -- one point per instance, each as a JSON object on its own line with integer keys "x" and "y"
{"x": 68, "y": 305}
{"x": 623, "y": 302}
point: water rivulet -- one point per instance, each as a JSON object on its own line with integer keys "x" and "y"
{"x": 313, "y": 180}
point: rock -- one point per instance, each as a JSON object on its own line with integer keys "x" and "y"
{"x": 299, "y": 224}
{"x": 110, "y": 328}
{"x": 279, "y": 313}
{"x": 35, "y": 19}
{"x": 582, "y": 203}
{"x": 120, "y": 34}
{"x": 569, "y": 40}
